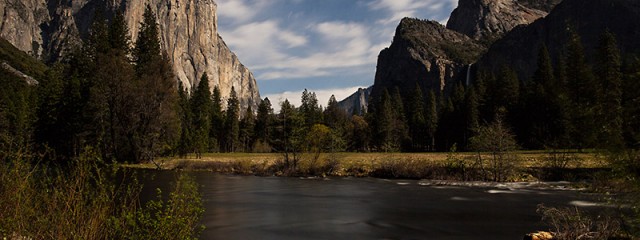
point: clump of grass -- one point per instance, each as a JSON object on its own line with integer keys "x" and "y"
{"x": 572, "y": 224}
{"x": 87, "y": 200}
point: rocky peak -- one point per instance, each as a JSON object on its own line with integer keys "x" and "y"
{"x": 488, "y": 20}
{"x": 357, "y": 102}
{"x": 542, "y": 5}
{"x": 188, "y": 33}
{"x": 426, "y": 53}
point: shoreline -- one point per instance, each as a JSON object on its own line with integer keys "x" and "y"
{"x": 439, "y": 167}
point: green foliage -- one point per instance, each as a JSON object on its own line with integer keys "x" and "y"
{"x": 431, "y": 119}
{"x": 176, "y": 218}
{"x": 147, "y": 49}
{"x": 631, "y": 103}
{"x": 360, "y": 137}
{"x": 582, "y": 93}
{"x": 381, "y": 119}
{"x": 232, "y": 124}
{"x": 247, "y": 134}
{"x": 89, "y": 199}
{"x": 497, "y": 139}
{"x": 289, "y": 135}
{"x": 609, "y": 73}
{"x": 200, "y": 111}
{"x": 310, "y": 109}
{"x": 185, "y": 144}
{"x": 119, "y": 38}
{"x": 17, "y": 115}
{"x": 417, "y": 121}
{"x": 263, "y": 125}
{"x": 216, "y": 136}
{"x": 21, "y": 61}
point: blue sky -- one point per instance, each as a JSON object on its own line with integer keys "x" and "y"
{"x": 327, "y": 46}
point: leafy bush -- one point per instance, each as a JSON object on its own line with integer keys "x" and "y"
{"x": 85, "y": 200}
{"x": 498, "y": 140}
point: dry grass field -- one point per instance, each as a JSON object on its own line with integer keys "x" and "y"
{"x": 455, "y": 166}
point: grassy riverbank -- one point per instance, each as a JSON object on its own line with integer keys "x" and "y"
{"x": 519, "y": 166}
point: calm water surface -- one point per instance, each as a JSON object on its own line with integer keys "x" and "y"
{"x": 239, "y": 207}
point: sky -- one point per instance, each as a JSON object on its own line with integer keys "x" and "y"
{"x": 325, "y": 46}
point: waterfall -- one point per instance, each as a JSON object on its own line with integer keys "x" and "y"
{"x": 469, "y": 74}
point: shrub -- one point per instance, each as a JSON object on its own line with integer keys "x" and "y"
{"x": 89, "y": 199}
{"x": 573, "y": 224}
{"x": 498, "y": 140}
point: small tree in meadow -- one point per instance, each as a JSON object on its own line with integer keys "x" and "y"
{"x": 498, "y": 140}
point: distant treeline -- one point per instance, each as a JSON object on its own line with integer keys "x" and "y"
{"x": 124, "y": 102}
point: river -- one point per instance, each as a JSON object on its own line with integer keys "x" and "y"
{"x": 245, "y": 207}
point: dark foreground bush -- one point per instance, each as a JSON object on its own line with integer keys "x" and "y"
{"x": 573, "y": 224}
{"x": 86, "y": 200}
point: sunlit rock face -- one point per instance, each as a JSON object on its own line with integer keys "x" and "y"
{"x": 188, "y": 34}
{"x": 424, "y": 54}
{"x": 490, "y": 19}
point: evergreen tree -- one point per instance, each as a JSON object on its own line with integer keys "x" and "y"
{"x": 201, "y": 112}
{"x": 264, "y": 121}
{"x": 157, "y": 123}
{"x": 247, "y": 125}
{"x": 216, "y": 135}
{"x": 431, "y": 119}
{"x": 232, "y": 125}
{"x": 631, "y": 102}
{"x": 17, "y": 115}
{"x": 185, "y": 144}
{"x": 507, "y": 89}
{"x": 334, "y": 116}
{"x": 417, "y": 121}
{"x": 472, "y": 114}
{"x": 538, "y": 114}
{"x": 609, "y": 67}
{"x": 98, "y": 41}
{"x": 400, "y": 130}
{"x": 544, "y": 73}
{"x": 310, "y": 109}
{"x": 147, "y": 49}
{"x": 360, "y": 136}
{"x": 48, "y": 109}
{"x": 583, "y": 95}
{"x": 382, "y": 123}
{"x": 289, "y": 134}
{"x": 119, "y": 39}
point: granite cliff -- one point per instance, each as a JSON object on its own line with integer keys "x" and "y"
{"x": 357, "y": 102}
{"x": 435, "y": 56}
{"x": 426, "y": 53}
{"x": 489, "y": 19}
{"x": 47, "y": 29}
{"x": 519, "y": 48}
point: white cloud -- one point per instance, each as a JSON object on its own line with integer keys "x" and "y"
{"x": 297, "y": 45}
{"x": 241, "y": 10}
{"x": 266, "y": 46}
{"x": 398, "y": 9}
{"x": 323, "y": 96}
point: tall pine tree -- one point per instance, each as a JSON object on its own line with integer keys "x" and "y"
{"x": 608, "y": 70}
{"x": 216, "y": 135}
{"x": 417, "y": 121}
{"x": 582, "y": 91}
{"x": 201, "y": 113}
{"x": 232, "y": 125}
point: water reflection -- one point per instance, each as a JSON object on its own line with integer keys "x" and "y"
{"x": 293, "y": 208}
